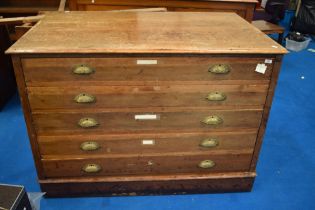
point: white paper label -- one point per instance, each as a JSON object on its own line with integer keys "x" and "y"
{"x": 146, "y": 62}
{"x": 148, "y": 142}
{"x": 268, "y": 61}
{"x": 261, "y": 68}
{"x": 146, "y": 117}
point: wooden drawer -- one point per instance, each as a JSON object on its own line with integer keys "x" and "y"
{"x": 146, "y": 96}
{"x": 126, "y": 122}
{"x": 126, "y": 71}
{"x": 145, "y": 143}
{"x": 122, "y": 165}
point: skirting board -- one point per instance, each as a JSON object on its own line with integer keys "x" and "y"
{"x": 150, "y": 185}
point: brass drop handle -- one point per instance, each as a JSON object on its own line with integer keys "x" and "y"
{"x": 209, "y": 143}
{"x": 212, "y": 120}
{"x": 216, "y": 96}
{"x": 84, "y": 98}
{"x": 89, "y": 146}
{"x": 82, "y": 69}
{"x": 92, "y": 168}
{"x": 220, "y": 69}
{"x": 88, "y": 122}
{"x": 206, "y": 164}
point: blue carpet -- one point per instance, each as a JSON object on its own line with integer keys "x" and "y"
{"x": 286, "y": 168}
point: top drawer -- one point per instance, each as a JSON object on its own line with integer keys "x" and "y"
{"x": 143, "y": 71}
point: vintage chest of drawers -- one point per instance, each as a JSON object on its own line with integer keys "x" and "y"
{"x": 145, "y": 103}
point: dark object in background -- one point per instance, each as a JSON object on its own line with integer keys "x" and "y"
{"x": 14, "y": 197}
{"x": 7, "y": 79}
{"x": 296, "y": 36}
{"x": 305, "y": 20}
{"x": 274, "y": 11}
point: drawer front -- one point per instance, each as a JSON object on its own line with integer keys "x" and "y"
{"x": 124, "y": 71}
{"x": 145, "y": 143}
{"x": 143, "y": 96}
{"x": 146, "y": 165}
{"x": 129, "y": 122}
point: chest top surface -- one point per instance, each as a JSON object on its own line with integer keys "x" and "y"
{"x": 145, "y": 32}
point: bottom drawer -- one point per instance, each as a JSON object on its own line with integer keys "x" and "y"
{"x": 166, "y": 164}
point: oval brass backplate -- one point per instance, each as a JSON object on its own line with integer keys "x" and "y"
{"x": 92, "y": 168}
{"x": 87, "y": 122}
{"x": 83, "y": 69}
{"x": 220, "y": 69}
{"x": 212, "y": 120}
{"x": 89, "y": 146}
{"x": 209, "y": 143}
{"x": 206, "y": 164}
{"x": 216, "y": 96}
{"x": 84, "y": 98}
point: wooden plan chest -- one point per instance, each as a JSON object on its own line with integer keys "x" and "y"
{"x": 145, "y": 103}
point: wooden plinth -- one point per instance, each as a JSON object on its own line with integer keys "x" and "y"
{"x": 157, "y": 185}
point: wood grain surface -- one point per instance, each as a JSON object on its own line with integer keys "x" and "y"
{"x": 42, "y": 98}
{"x": 145, "y": 143}
{"x": 124, "y": 70}
{"x": 145, "y": 32}
{"x": 124, "y": 121}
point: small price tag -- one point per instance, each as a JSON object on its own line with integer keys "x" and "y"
{"x": 147, "y": 62}
{"x": 269, "y": 61}
{"x": 261, "y": 68}
{"x": 148, "y": 142}
{"x": 146, "y": 117}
